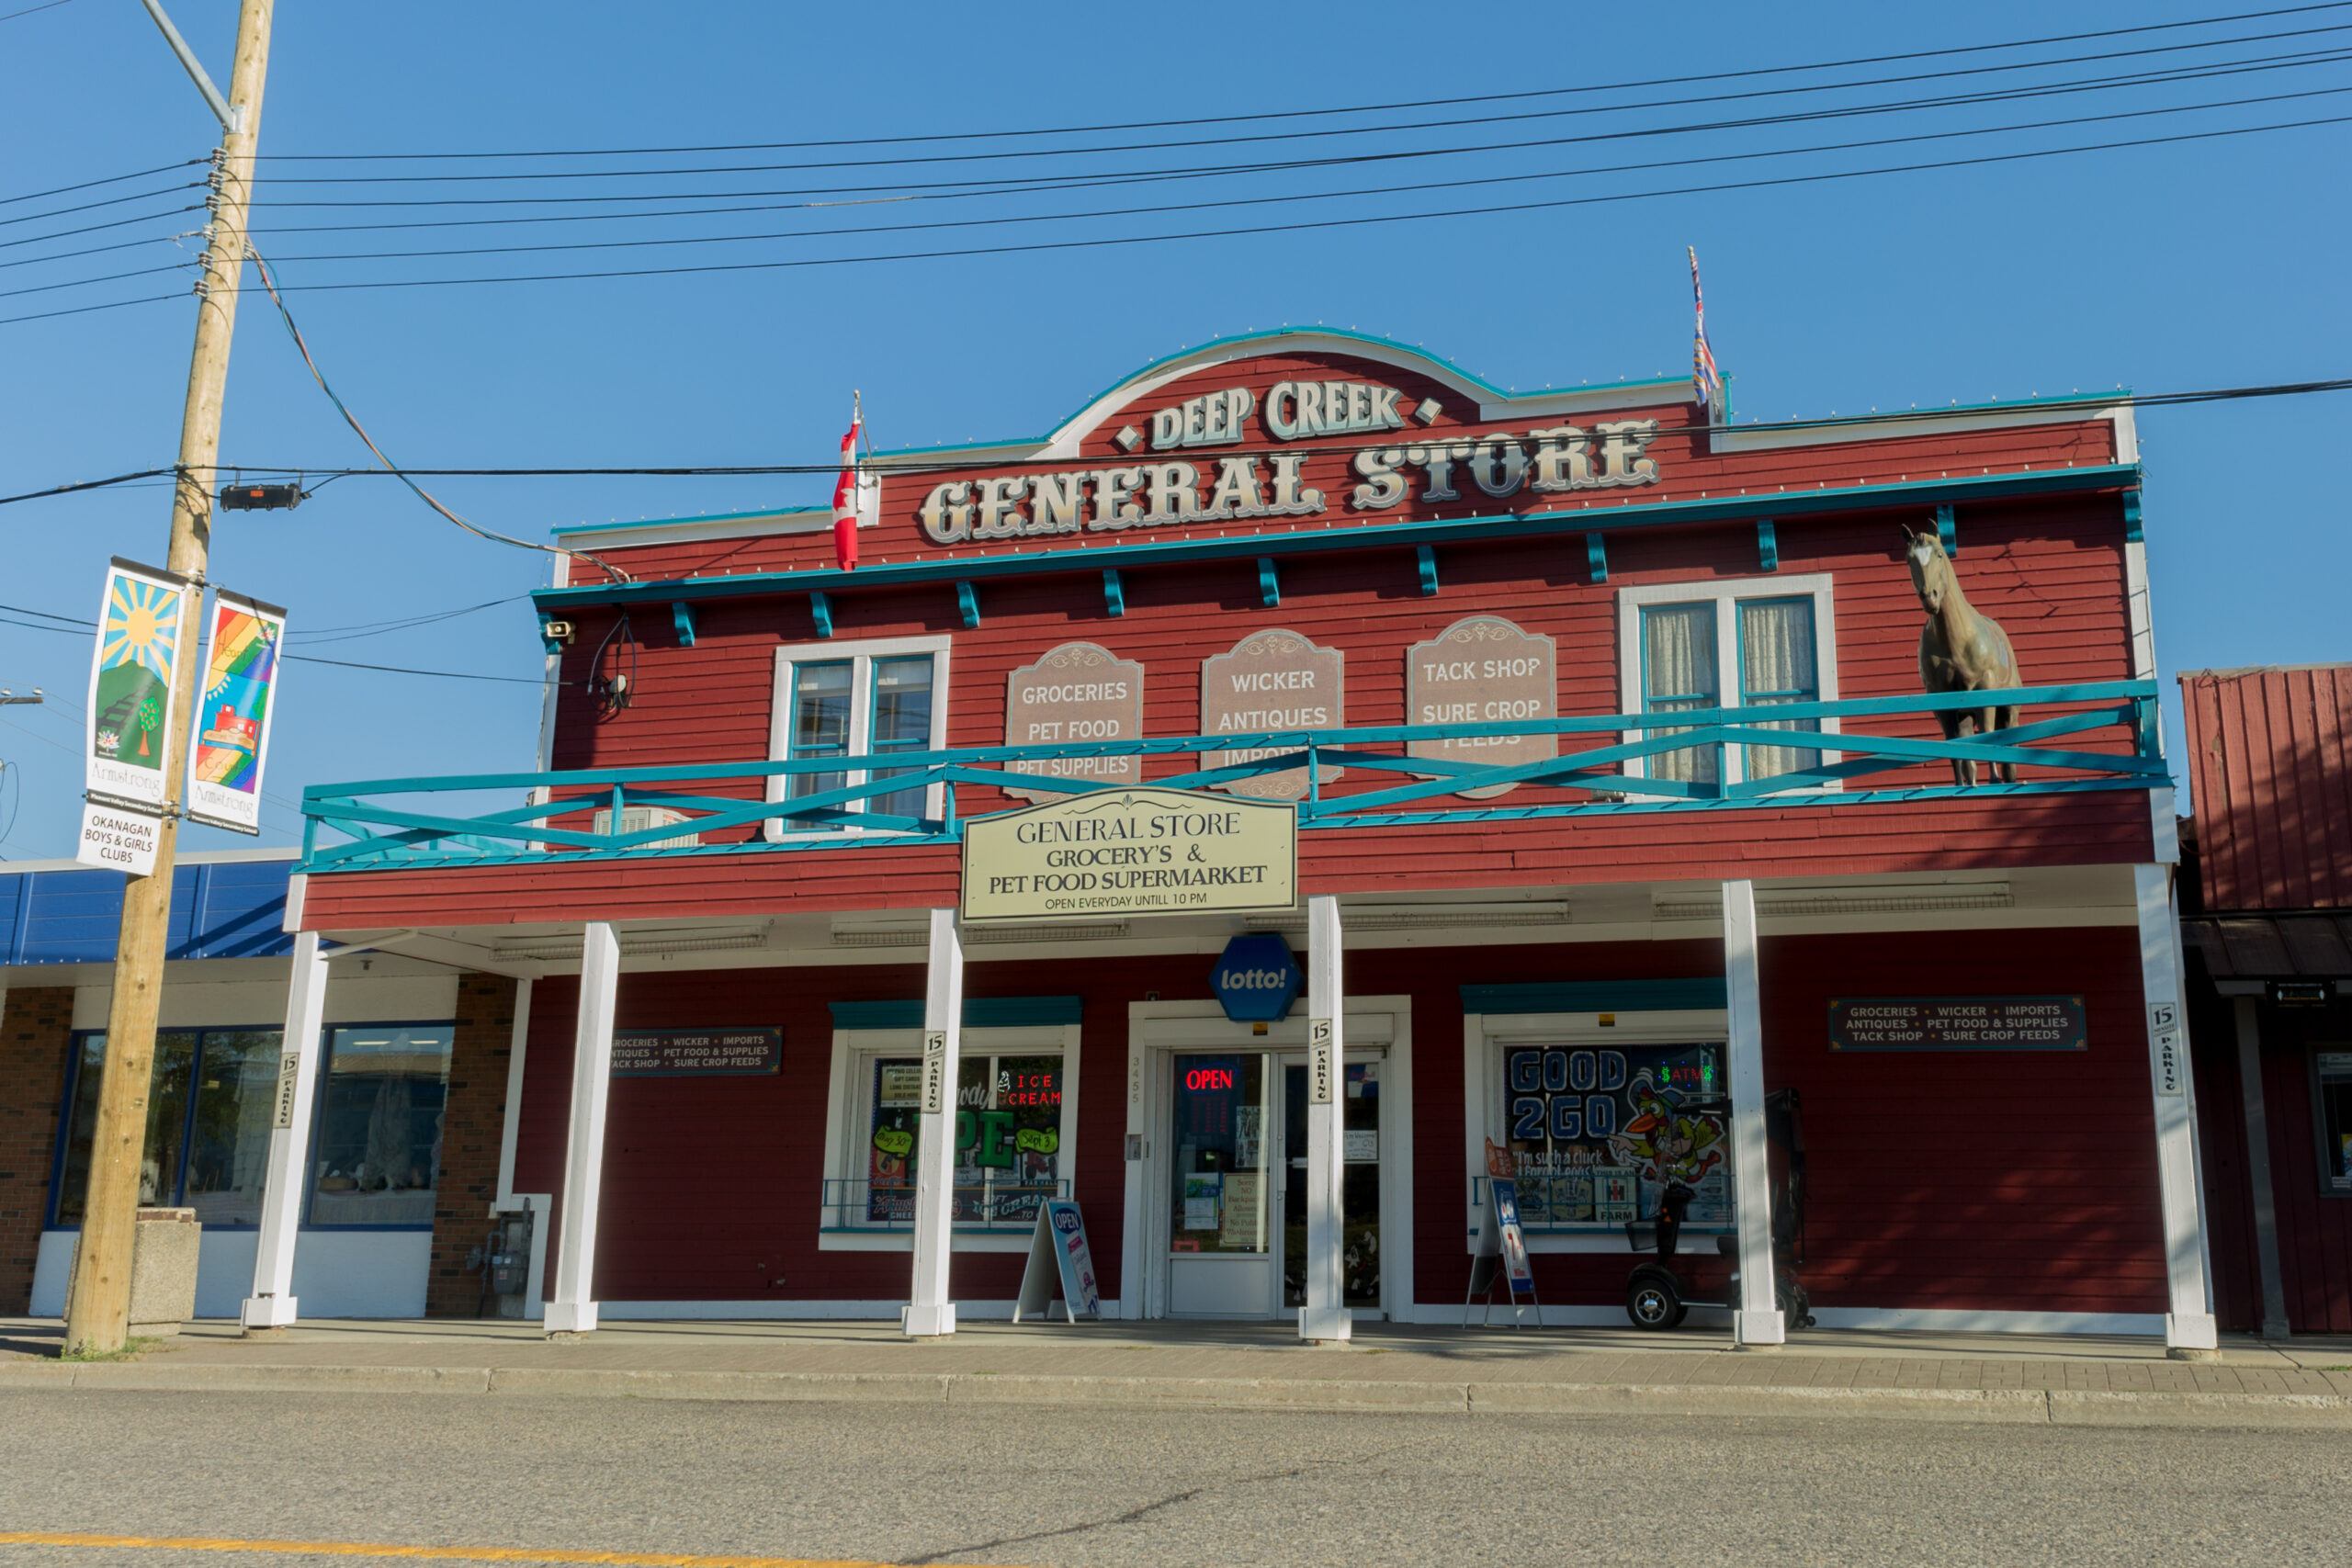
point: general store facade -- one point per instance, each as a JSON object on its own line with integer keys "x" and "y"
{"x": 1556, "y": 881}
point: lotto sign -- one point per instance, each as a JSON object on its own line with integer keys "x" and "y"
{"x": 131, "y": 680}
{"x": 1256, "y": 978}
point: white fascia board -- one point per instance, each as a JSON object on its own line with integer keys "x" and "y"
{"x": 600, "y": 536}
{"x": 1732, "y": 439}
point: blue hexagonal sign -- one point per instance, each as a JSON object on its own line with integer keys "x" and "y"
{"x": 1256, "y": 978}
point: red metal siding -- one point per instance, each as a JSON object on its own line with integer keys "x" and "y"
{"x": 2271, "y": 785}
{"x": 1992, "y": 1182}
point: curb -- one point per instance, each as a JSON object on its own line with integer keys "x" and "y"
{"x": 2008, "y": 1406}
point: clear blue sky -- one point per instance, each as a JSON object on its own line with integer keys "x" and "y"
{"x": 2198, "y": 264}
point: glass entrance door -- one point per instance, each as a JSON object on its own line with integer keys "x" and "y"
{"x": 1359, "y": 1191}
{"x": 1220, "y": 1196}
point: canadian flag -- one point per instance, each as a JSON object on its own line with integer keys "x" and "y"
{"x": 845, "y": 496}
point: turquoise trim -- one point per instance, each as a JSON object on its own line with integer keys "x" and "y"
{"x": 1767, "y": 545}
{"x": 1596, "y": 557}
{"x": 967, "y": 605}
{"x": 1270, "y": 587}
{"x": 979, "y": 1012}
{"x": 1426, "y": 559}
{"x": 1509, "y": 526}
{"x": 682, "y": 616}
{"x": 1947, "y": 530}
{"x": 1114, "y": 593}
{"x": 821, "y": 610}
{"x": 2131, "y": 530}
{"x": 1707, "y": 992}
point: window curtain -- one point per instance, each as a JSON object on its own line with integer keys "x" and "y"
{"x": 1678, "y": 672}
{"x": 1776, "y": 656}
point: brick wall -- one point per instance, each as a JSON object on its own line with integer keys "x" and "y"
{"x": 36, "y": 1033}
{"x": 471, "y": 1125}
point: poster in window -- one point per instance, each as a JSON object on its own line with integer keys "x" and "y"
{"x": 1596, "y": 1134}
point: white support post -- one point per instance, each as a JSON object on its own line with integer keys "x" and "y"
{"x": 2257, "y": 1168}
{"x": 271, "y": 1305}
{"x": 518, "y": 1042}
{"x": 2190, "y": 1332}
{"x": 573, "y": 1310}
{"x": 930, "y": 1314}
{"x": 1324, "y": 1317}
{"x": 1757, "y": 1320}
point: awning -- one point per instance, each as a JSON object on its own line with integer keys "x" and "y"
{"x": 2274, "y": 947}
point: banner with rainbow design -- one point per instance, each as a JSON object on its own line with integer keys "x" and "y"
{"x": 140, "y": 623}
{"x": 232, "y": 714}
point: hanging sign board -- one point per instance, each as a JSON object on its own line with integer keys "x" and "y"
{"x": 141, "y": 621}
{"x": 114, "y": 840}
{"x": 1958, "y": 1023}
{"x": 1483, "y": 670}
{"x": 1272, "y": 681}
{"x": 1132, "y": 852}
{"x": 1059, "y": 1253}
{"x": 1077, "y": 693}
{"x": 234, "y": 713}
{"x": 696, "y": 1053}
{"x": 1256, "y": 978}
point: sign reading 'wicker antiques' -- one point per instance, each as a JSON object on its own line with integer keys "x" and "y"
{"x": 1483, "y": 670}
{"x": 1135, "y": 851}
{"x": 1272, "y": 681}
{"x": 1077, "y": 693}
{"x": 696, "y": 1053}
{"x": 1958, "y": 1023}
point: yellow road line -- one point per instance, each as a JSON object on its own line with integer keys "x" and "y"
{"x": 457, "y": 1553}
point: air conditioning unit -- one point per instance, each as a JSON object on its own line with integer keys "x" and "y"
{"x": 638, "y": 818}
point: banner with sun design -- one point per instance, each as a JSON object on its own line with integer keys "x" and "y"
{"x": 233, "y": 714}
{"x": 141, "y": 624}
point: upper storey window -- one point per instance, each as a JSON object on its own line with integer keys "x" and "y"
{"x": 1759, "y": 643}
{"x": 853, "y": 702}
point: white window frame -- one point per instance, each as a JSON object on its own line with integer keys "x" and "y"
{"x": 1725, "y": 594}
{"x": 849, "y": 1104}
{"x": 861, "y": 657}
{"x": 1486, "y": 1038}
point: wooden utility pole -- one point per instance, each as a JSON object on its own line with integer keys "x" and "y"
{"x": 97, "y": 1313}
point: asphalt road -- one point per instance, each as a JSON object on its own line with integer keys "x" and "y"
{"x": 1089, "y": 1485}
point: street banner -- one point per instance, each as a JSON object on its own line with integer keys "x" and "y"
{"x": 141, "y": 623}
{"x": 232, "y": 715}
{"x": 114, "y": 840}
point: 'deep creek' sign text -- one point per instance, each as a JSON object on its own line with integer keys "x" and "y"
{"x": 1112, "y": 853}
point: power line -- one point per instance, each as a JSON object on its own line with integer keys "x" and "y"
{"x": 1035, "y": 247}
{"x": 1345, "y": 109}
{"x": 82, "y": 628}
{"x": 118, "y": 179}
{"x": 46, "y": 6}
{"x": 1325, "y": 133}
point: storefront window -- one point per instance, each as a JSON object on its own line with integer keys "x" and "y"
{"x": 185, "y": 1160}
{"x": 1218, "y": 1202}
{"x": 378, "y": 1148}
{"x": 1597, "y": 1136}
{"x": 1678, "y": 674}
{"x": 901, "y": 723}
{"x": 852, "y": 702}
{"x": 1776, "y": 666}
{"x": 1008, "y": 1138}
{"x": 1725, "y": 645}
{"x": 2333, "y": 1093}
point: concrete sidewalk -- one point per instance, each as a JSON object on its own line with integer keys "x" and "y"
{"x": 1989, "y": 1377}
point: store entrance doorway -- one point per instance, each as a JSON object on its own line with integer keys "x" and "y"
{"x": 1224, "y": 1182}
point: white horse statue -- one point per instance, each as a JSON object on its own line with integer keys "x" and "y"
{"x": 1960, "y": 650}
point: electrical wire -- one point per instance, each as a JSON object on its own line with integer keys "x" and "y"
{"x": 2186, "y": 73}
{"x": 82, "y": 628}
{"x": 116, "y": 179}
{"x": 45, "y": 5}
{"x": 262, "y": 267}
{"x": 1345, "y": 109}
{"x": 1161, "y": 208}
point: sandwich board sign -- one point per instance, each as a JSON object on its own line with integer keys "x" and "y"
{"x": 1058, "y": 1256}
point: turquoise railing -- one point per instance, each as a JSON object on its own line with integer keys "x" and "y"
{"x": 377, "y": 833}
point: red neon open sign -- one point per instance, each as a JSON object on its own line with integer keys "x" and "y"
{"x": 1201, "y": 1080}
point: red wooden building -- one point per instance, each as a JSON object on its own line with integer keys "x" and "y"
{"x": 2270, "y": 921}
{"x": 1565, "y": 895}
